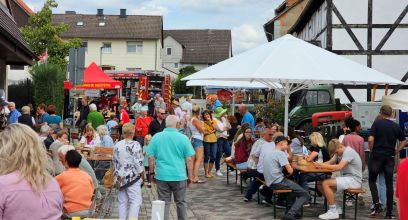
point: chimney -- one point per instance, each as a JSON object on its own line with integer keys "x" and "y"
{"x": 70, "y": 12}
{"x": 99, "y": 13}
{"x": 123, "y": 13}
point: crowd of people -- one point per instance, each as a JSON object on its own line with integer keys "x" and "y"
{"x": 166, "y": 145}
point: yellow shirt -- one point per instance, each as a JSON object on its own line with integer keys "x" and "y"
{"x": 208, "y": 127}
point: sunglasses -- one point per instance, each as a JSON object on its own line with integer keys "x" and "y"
{"x": 162, "y": 113}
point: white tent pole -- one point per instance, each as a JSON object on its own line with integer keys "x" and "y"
{"x": 286, "y": 119}
{"x": 233, "y": 101}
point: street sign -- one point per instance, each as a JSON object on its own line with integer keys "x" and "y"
{"x": 76, "y": 66}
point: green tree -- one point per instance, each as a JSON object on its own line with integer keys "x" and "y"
{"x": 49, "y": 85}
{"x": 41, "y": 34}
{"x": 180, "y": 87}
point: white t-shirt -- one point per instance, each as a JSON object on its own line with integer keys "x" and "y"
{"x": 222, "y": 124}
{"x": 261, "y": 152}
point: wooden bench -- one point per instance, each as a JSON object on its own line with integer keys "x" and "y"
{"x": 353, "y": 195}
{"x": 231, "y": 166}
{"x": 275, "y": 193}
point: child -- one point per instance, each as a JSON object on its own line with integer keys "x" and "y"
{"x": 147, "y": 140}
{"x": 112, "y": 123}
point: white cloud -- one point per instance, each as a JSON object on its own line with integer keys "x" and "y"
{"x": 150, "y": 9}
{"x": 246, "y": 36}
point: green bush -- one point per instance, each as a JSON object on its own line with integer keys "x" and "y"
{"x": 273, "y": 112}
{"x": 48, "y": 83}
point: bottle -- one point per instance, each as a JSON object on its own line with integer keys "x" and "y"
{"x": 320, "y": 157}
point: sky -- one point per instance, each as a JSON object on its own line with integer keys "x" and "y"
{"x": 244, "y": 18}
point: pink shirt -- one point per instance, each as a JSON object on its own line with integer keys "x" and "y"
{"x": 356, "y": 142}
{"x": 19, "y": 201}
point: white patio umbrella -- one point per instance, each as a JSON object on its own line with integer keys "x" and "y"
{"x": 397, "y": 100}
{"x": 227, "y": 84}
{"x": 294, "y": 64}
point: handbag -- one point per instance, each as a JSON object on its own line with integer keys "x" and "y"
{"x": 108, "y": 179}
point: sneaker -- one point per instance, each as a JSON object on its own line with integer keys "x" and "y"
{"x": 329, "y": 215}
{"x": 218, "y": 173}
{"x": 280, "y": 206}
{"x": 306, "y": 205}
{"x": 389, "y": 216}
{"x": 267, "y": 202}
{"x": 349, "y": 203}
{"x": 247, "y": 200}
{"x": 376, "y": 210}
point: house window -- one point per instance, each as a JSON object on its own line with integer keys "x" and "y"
{"x": 176, "y": 65}
{"x": 107, "y": 48}
{"x": 135, "y": 47}
{"x": 168, "y": 51}
{"x": 85, "y": 44}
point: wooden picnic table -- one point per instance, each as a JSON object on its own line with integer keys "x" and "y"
{"x": 310, "y": 168}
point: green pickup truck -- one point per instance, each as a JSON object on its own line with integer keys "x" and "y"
{"x": 310, "y": 101}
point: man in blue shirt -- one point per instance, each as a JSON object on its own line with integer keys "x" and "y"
{"x": 14, "y": 113}
{"x": 169, "y": 151}
{"x": 247, "y": 117}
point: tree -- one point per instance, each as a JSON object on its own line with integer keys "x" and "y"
{"x": 41, "y": 35}
{"x": 49, "y": 85}
{"x": 180, "y": 87}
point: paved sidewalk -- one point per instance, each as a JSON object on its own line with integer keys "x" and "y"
{"x": 215, "y": 200}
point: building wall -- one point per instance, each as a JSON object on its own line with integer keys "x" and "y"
{"x": 169, "y": 61}
{"x": 316, "y": 24}
{"x": 356, "y": 12}
{"x": 3, "y": 77}
{"x": 149, "y": 59}
{"x": 286, "y": 20}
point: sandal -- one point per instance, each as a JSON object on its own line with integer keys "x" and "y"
{"x": 198, "y": 181}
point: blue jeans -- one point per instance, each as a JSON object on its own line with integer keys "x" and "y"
{"x": 223, "y": 147}
{"x": 296, "y": 199}
{"x": 382, "y": 188}
{"x": 210, "y": 152}
{"x": 305, "y": 178}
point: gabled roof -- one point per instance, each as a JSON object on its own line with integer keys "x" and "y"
{"x": 130, "y": 27}
{"x": 206, "y": 46}
{"x": 24, "y": 7}
{"x": 307, "y": 13}
{"x": 9, "y": 29}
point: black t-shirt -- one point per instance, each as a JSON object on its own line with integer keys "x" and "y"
{"x": 385, "y": 133}
{"x": 326, "y": 156}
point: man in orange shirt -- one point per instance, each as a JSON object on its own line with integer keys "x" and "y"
{"x": 76, "y": 186}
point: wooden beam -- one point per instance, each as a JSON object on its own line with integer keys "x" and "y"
{"x": 365, "y": 26}
{"x": 404, "y": 79}
{"x": 347, "y": 93}
{"x": 320, "y": 33}
{"x": 369, "y": 44}
{"x": 348, "y": 29}
{"x": 391, "y": 30}
{"x": 329, "y": 34}
{"x": 374, "y": 52}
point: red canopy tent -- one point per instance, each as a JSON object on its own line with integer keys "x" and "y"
{"x": 95, "y": 78}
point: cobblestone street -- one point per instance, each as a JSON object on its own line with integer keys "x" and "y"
{"x": 216, "y": 200}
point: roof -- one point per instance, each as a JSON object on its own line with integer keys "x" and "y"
{"x": 205, "y": 46}
{"x": 24, "y": 7}
{"x": 9, "y": 29}
{"x": 311, "y": 7}
{"x": 130, "y": 27}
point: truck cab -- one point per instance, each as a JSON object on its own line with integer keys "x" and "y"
{"x": 309, "y": 101}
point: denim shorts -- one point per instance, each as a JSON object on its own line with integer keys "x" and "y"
{"x": 196, "y": 143}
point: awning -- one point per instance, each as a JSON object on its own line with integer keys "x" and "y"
{"x": 95, "y": 78}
